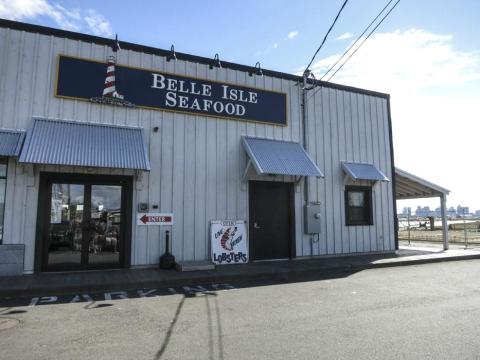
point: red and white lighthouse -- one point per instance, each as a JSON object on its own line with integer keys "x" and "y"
{"x": 109, "y": 86}
{"x": 110, "y": 94}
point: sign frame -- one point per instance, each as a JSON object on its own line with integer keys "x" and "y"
{"x": 228, "y": 257}
{"x": 185, "y": 112}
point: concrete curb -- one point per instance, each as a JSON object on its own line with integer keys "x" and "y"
{"x": 270, "y": 276}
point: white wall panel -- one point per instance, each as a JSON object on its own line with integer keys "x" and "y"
{"x": 197, "y": 162}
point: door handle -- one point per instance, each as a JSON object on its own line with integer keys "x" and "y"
{"x": 255, "y": 226}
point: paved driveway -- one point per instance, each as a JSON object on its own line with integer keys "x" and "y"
{"x": 427, "y": 311}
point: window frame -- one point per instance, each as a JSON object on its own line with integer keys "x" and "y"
{"x": 367, "y": 208}
{"x": 3, "y": 160}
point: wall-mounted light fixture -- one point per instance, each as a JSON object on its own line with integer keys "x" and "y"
{"x": 216, "y": 62}
{"x": 172, "y": 55}
{"x": 258, "y": 70}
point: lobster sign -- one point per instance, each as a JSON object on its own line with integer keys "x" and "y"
{"x": 229, "y": 241}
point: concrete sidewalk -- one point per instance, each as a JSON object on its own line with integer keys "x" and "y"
{"x": 274, "y": 271}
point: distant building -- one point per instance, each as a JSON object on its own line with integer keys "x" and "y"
{"x": 423, "y": 211}
{"x": 463, "y": 210}
{"x": 477, "y": 212}
{"x": 407, "y": 210}
{"x": 451, "y": 212}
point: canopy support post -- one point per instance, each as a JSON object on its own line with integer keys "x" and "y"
{"x": 443, "y": 205}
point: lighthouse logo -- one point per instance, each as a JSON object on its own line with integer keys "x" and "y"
{"x": 110, "y": 94}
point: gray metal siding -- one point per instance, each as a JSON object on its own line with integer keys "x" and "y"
{"x": 197, "y": 162}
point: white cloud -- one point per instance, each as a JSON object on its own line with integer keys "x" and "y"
{"x": 275, "y": 45}
{"x": 402, "y": 61}
{"x": 97, "y": 24}
{"x": 69, "y": 19}
{"x": 344, "y": 36}
{"x": 292, "y": 35}
{"x": 434, "y": 102}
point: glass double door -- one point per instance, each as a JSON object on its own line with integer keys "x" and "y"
{"x": 84, "y": 226}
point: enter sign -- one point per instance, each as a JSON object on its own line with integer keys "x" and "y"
{"x": 154, "y": 219}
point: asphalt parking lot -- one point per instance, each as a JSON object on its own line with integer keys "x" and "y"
{"x": 426, "y": 311}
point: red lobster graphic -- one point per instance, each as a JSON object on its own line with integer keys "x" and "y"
{"x": 226, "y": 240}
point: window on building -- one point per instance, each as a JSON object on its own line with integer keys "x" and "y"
{"x": 3, "y": 188}
{"x": 358, "y": 205}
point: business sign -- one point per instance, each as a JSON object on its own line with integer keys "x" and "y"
{"x": 92, "y": 81}
{"x": 154, "y": 219}
{"x": 229, "y": 241}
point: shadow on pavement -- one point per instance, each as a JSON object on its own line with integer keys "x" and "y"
{"x": 98, "y": 300}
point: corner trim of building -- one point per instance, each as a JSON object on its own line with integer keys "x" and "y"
{"x": 392, "y": 160}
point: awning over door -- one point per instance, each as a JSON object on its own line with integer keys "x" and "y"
{"x": 363, "y": 171}
{"x": 75, "y": 143}
{"x": 279, "y": 158}
{"x": 11, "y": 142}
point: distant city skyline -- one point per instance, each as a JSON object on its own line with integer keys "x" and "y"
{"x": 419, "y": 209}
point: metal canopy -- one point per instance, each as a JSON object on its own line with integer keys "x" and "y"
{"x": 85, "y": 144}
{"x": 363, "y": 171}
{"x": 409, "y": 186}
{"x": 279, "y": 157}
{"x": 11, "y": 142}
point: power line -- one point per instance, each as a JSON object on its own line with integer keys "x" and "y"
{"x": 358, "y": 38}
{"x": 371, "y": 32}
{"x": 326, "y": 35}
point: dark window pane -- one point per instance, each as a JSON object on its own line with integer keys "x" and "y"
{"x": 104, "y": 242}
{"x": 66, "y": 217}
{"x": 358, "y": 209}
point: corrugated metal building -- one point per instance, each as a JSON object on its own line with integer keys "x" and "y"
{"x": 94, "y": 161}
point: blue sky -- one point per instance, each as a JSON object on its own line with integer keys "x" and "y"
{"x": 426, "y": 55}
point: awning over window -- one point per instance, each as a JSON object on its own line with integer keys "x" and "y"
{"x": 11, "y": 142}
{"x": 75, "y": 143}
{"x": 279, "y": 158}
{"x": 363, "y": 171}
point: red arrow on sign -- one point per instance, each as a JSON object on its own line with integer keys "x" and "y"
{"x": 144, "y": 219}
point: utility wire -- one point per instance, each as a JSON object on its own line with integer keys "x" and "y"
{"x": 358, "y": 38}
{"x": 326, "y": 35}
{"x": 371, "y": 32}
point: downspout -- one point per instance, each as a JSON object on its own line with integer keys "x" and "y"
{"x": 304, "y": 134}
{"x": 305, "y": 146}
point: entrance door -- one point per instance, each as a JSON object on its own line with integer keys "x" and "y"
{"x": 271, "y": 220}
{"x": 84, "y": 223}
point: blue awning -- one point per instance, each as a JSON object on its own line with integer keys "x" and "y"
{"x": 76, "y": 143}
{"x": 11, "y": 142}
{"x": 279, "y": 157}
{"x": 363, "y": 171}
